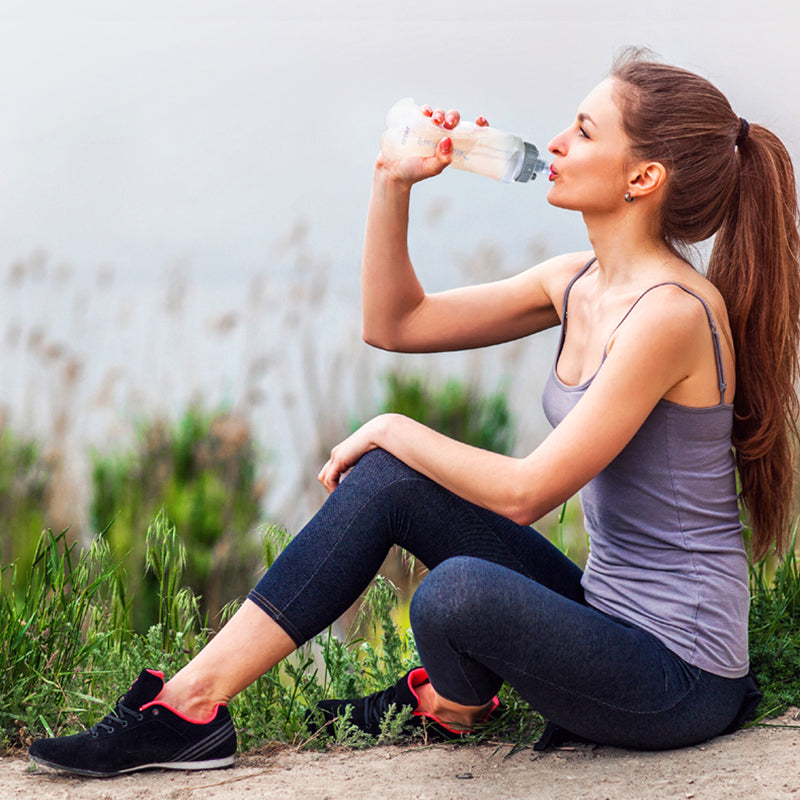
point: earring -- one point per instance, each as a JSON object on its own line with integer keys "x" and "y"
{"x": 629, "y": 198}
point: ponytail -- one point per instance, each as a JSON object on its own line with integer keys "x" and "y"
{"x": 734, "y": 181}
{"x": 755, "y": 264}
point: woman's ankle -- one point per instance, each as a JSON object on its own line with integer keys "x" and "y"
{"x": 190, "y": 698}
{"x": 448, "y": 712}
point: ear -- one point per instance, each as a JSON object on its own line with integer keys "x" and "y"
{"x": 647, "y": 178}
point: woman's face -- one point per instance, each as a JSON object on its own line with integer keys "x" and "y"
{"x": 590, "y": 169}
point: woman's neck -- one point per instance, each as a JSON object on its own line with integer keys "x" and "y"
{"x": 628, "y": 250}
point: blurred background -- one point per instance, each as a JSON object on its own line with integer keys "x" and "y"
{"x": 183, "y": 188}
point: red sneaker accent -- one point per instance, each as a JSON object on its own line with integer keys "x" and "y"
{"x": 175, "y": 711}
{"x": 418, "y": 677}
{"x": 156, "y": 702}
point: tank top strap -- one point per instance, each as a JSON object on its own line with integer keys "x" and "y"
{"x": 714, "y": 333}
{"x": 564, "y": 312}
{"x": 572, "y": 280}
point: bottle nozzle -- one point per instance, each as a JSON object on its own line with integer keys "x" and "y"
{"x": 532, "y": 164}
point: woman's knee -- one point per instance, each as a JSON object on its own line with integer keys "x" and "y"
{"x": 451, "y": 594}
{"x": 379, "y": 467}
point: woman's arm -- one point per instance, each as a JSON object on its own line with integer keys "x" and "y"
{"x": 660, "y": 345}
{"x": 398, "y": 314}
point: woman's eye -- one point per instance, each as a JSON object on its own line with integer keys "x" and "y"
{"x": 583, "y": 133}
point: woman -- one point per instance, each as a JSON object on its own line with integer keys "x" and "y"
{"x": 659, "y": 372}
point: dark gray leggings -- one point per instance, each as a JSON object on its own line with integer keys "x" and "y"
{"x": 500, "y": 604}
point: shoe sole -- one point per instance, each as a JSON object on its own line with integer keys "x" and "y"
{"x": 212, "y": 763}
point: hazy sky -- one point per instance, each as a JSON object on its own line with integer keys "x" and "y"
{"x": 203, "y": 131}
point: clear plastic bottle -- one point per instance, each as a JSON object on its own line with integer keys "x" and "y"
{"x": 476, "y": 148}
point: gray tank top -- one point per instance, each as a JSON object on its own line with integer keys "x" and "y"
{"x": 665, "y": 541}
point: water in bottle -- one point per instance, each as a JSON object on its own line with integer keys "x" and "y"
{"x": 484, "y": 150}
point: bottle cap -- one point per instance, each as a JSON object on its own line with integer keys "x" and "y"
{"x": 531, "y": 164}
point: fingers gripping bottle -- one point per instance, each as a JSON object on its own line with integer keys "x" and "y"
{"x": 484, "y": 150}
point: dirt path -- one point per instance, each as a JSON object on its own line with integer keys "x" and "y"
{"x": 758, "y": 764}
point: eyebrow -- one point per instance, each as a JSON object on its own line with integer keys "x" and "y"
{"x": 583, "y": 117}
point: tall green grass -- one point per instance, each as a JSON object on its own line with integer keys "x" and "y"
{"x": 775, "y": 632}
{"x": 201, "y": 472}
{"x": 68, "y": 651}
{"x": 24, "y": 479}
{"x": 69, "y": 608}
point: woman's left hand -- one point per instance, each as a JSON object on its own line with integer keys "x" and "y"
{"x": 345, "y": 455}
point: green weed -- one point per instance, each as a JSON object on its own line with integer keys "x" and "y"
{"x": 24, "y": 477}
{"x": 200, "y": 472}
{"x": 52, "y": 627}
{"x": 66, "y": 644}
{"x": 775, "y": 632}
{"x": 453, "y": 409}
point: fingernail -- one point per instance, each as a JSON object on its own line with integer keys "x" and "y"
{"x": 482, "y": 121}
{"x": 450, "y": 120}
{"x": 446, "y": 144}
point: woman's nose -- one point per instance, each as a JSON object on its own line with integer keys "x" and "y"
{"x": 557, "y": 145}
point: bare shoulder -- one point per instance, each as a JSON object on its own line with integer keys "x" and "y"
{"x": 555, "y": 273}
{"x": 565, "y": 266}
{"x": 666, "y": 324}
{"x": 717, "y": 306}
{"x": 671, "y": 310}
{"x": 696, "y": 282}
{"x": 667, "y": 341}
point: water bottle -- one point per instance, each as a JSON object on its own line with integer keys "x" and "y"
{"x": 476, "y": 148}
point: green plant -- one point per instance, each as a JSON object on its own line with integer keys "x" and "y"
{"x": 65, "y": 644}
{"x": 53, "y": 623}
{"x": 454, "y": 409}
{"x": 775, "y": 632}
{"x": 201, "y": 472}
{"x": 178, "y": 607}
{"x": 24, "y": 479}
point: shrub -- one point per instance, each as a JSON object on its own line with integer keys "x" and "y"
{"x": 775, "y": 633}
{"x": 24, "y": 478}
{"x": 202, "y": 473}
{"x": 454, "y": 409}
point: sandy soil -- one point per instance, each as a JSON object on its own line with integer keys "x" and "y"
{"x": 761, "y": 763}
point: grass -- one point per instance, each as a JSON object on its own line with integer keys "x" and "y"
{"x": 201, "y": 471}
{"x": 68, "y": 650}
{"x": 50, "y": 632}
{"x": 775, "y": 633}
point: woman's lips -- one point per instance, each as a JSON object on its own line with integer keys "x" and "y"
{"x": 553, "y": 174}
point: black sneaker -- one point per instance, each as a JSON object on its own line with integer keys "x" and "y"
{"x": 367, "y": 713}
{"x": 142, "y": 733}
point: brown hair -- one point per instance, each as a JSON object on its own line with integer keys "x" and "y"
{"x": 733, "y": 180}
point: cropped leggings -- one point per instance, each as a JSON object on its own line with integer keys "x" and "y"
{"x": 500, "y": 603}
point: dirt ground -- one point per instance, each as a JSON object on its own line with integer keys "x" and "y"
{"x": 762, "y": 763}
